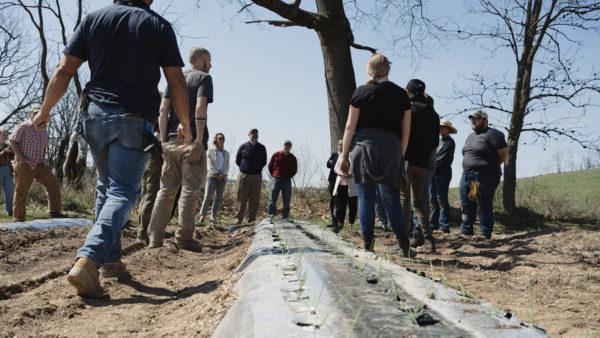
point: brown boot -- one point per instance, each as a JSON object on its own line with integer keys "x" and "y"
{"x": 85, "y": 278}
{"x": 113, "y": 270}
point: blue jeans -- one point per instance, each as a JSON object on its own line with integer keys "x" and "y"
{"x": 116, "y": 143}
{"x": 6, "y": 182}
{"x": 283, "y": 185}
{"x": 484, "y": 202}
{"x": 438, "y": 197}
{"x": 390, "y": 198}
{"x": 379, "y": 208}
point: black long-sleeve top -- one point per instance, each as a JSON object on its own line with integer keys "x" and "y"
{"x": 444, "y": 156}
{"x": 331, "y": 165}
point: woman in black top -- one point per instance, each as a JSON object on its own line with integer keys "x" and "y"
{"x": 377, "y": 131}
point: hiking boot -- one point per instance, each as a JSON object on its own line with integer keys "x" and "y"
{"x": 417, "y": 241}
{"x": 156, "y": 239}
{"x": 143, "y": 237}
{"x": 408, "y": 253}
{"x": 189, "y": 245}
{"x": 431, "y": 240}
{"x": 369, "y": 244}
{"x": 57, "y": 214}
{"x": 85, "y": 278}
{"x": 113, "y": 270}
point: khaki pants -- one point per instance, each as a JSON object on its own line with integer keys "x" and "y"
{"x": 185, "y": 168}
{"x": 417, "y": 178}
{"x": 24, "y": 177}
{"x": 150, "y": 187}
{"x": 248, "y": 192}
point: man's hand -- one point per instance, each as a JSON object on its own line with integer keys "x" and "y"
{"x": 184, "y": 134}
{"x": 344, "y": 169}
{"x": 40, "y": 121}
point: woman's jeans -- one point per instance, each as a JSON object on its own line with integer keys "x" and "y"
{"x": 484, "y": 202}
{"x": 391, "y": 202}
{"x": 213, "y": 194}
{"x": 6, "y": 182}
{"x": 440, "y": 207}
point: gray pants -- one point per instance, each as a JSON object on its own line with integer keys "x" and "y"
{"x": 213, "y": 194}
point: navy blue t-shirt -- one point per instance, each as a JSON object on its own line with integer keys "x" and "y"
{"x": 125, "y": 45}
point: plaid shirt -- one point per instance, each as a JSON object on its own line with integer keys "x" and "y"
{"x": 32, "y": 143}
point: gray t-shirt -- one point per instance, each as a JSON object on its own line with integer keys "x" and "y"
{"x": 199, "y": 84}
{"x": 480, "y": 153}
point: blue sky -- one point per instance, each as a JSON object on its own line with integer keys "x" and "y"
{"x": 273, "y": 79}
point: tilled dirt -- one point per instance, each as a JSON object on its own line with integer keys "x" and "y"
{"x": 550, "y": 278}
{"x": 169, "y": 292}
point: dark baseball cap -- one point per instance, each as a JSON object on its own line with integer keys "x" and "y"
{"x": 253, "y": 131}
{"x": 416, "y": 87}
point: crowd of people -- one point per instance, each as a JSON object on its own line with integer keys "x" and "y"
{"x": 390, "y": 161}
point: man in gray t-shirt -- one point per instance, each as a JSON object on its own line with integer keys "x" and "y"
{"x": 184, "y": 167}
{"x": 484, "y": 151}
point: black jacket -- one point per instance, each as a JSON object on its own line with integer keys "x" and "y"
{"x": 331, "y": 164}
{"x": 445, "y": 156}
{"x": 424, "y": 134}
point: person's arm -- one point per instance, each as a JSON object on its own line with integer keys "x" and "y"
{"x": 238, "y": 156}
{"x": 59, "y": 82}
{"x": 18, "y": 154}
{"x": 332, "y": 160}
{"x": 263, "y": 157}
{"x": 200, "y": 117}
{"x": 503, "y": 154}
{"x": 163, "y": 119}
{"x": 179, "y": 98}
{"x": 225, "y": 170}
{"x": 271, "y": 164}
{"x": 349, "y": 131}
{"x": 405, "y": 131}
{"x": 294, "y": 166}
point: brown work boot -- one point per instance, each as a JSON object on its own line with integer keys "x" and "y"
{"x": 189, "y": 245}
{"x": 156, "y": 239}
{"x": 113, "y": 270}
{"x": 85, "y": 278}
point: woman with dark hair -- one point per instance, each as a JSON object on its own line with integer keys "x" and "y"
{"x": 218, "y": 167}
{"x": 375, "y": 139}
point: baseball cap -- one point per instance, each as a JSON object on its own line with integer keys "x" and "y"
{"x": 253, "y": 131}
{"x": 416, "y": 87}
{"x": 479, "y": 113}
{"x": 287, "y": 143}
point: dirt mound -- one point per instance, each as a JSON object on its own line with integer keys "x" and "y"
{"x": 169, "y": 292}
{"x": 548, "y": 277}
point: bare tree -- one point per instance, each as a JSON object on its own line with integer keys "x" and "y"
{"x": 549, "y": 92}
{"x": 333, "y": 27}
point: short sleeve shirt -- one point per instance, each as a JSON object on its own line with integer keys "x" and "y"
{"x": 480, "y": 153}
{"x": 382, "y": 106}
{"x": 125, "y": 45}
{"x": 199, "y": 84}
{"x": 32, "y": 143}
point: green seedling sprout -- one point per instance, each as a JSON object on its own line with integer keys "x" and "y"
{"x": 355, "y": 321}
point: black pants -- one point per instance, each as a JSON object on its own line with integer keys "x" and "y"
{"x": 343, "y": 201}
{"x": 331, "y": 201}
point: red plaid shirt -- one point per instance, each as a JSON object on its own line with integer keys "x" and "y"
{"x": 32, "y": 143}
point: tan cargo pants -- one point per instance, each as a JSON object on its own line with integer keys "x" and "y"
{"x": 183, "y": 167}
{"x": 24, "y": 177}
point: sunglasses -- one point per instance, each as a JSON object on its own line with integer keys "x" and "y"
{"x": 220, "y": 138}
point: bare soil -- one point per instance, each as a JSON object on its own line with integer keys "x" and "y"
{"x": 550, "y": 278}
{"x": 169, "y": 292}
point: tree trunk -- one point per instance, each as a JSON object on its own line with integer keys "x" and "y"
{"x": 510, "y": 175}
{"x": 339, "y": 77}
{"x": 335, "y": 35}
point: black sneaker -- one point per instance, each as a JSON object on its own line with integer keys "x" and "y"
{"x": 417, "y": 241}
{"x": 57, "y": 214}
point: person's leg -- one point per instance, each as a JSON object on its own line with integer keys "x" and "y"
{"x": 381, "y": 215}
{"x": 487, "y": 189}
{"x": 170, "y": 182}
{"x": 150, "y": 187}
{"x": 193, "y": 169}
{"x": 286, "y": 190}
{"x": 220, "y": 189}
{"x": 45, "y": 176}
{"x": 443, "y": 184}
{"x": 341, "y": 202}
{"x": 209, "y": 193}
{"x": 23, "y": 179}
{"x": 330, "y": 187}
{"x": 255, "y": 191}
{"x": 366, "y": 210}
{"x": 417, "y": 177}
{"x": 468, "y": 207}
{"x": 434, "y": 216}
{"x": 353, "y": 209}
{"x": 390, "y": 198}
{"x": 126, "y": 164}
{"x": 243, "y": 193}
{"x": 8, "y": 193}
{"x": 406, "y": 205}
{"x": 426, "y": 187}
{"x": 274, "y": 190}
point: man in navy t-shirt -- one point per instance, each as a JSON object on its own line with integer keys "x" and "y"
{"x": 125, "y": 44}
